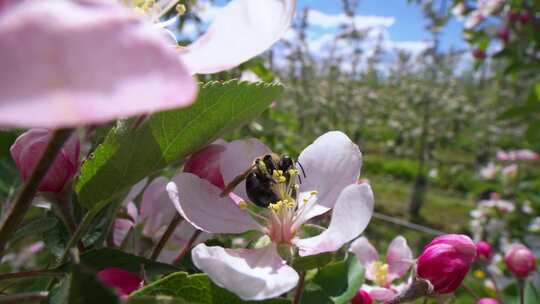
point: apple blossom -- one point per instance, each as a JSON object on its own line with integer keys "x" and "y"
{"x": 85, "y": 61}
{"x": 445, "y": 261}
{"x": 520, "y": 260}
{"x": 331, "y": 164}
{"x": 28, "y": 149}
{"x": 489, "y": 171}
{"x": 362, "y": 297}
{"x": 399, "y": 260}
{"x": 123, "y": 282}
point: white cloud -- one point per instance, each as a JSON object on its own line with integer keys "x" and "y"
{"x": 324, "y": 20}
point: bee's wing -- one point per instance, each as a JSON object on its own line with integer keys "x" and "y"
{"x": 237, "y": 180}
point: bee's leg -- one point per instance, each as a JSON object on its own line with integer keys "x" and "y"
{"x": 236, "y": 181}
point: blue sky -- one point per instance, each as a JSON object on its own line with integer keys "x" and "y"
{"x": 409, "y": 23}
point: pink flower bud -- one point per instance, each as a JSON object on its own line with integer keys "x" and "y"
{"x": 520, "y": 260}
{"x": 362, "y": 297}
{"x": 487, "y": 301}
{"x": 446, "y": 260}
{"x": 483, "y": 250}
{"x": 123, "y": 282}
{"x": 205, "y": 164}
{"x": 28, "y": 149}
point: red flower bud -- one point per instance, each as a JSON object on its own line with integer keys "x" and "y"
{"x": 513, "y": 16}
{"x": 28, "y": 149}
{"x": 483, "y": 250}
{"x": 504, "y": 34}
{"x": 446, "y": 260}
{"x": 123, "y": 282}
{"x": 487, "y": 301}
{"x": 205, "y": 164}
{"x": 520, "y": 260}
{"x": 524, "y": 18}
{"x": 362, "y": 297}
{"x": 479, "y": 54}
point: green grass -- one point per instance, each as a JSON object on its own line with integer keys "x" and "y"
{"x": 443, "y": 210}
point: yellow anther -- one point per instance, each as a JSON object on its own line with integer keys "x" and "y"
{"x": 381, "y": 273}
{"x": 293, "y": 172}
{"x": 180, "y": 9}
{"x": 242, "y": 205}
{"x": 313, "y": 193}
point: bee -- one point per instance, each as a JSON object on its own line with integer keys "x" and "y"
{"x": 260, "y": 180}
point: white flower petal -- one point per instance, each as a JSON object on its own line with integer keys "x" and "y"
{"x": 331, "y": 163}
{"x": 252, "y": 274}
{"x": 198, "y": 201}
{"x": 350, "y": 217}
{"x": 241, "y": 30}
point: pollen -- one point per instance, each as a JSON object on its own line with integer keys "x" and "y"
{"x": 242, "y": 205}
{"x": 180, "y": 9}
{"x": 278, "y": 175}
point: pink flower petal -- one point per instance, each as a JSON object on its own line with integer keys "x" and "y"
{"x": 252, "y": 274}
{"x": 80, "y": 62}
{"x": 237, "y": 158}
{"x": 350, "y": 217}
{"x": 367, "y": 254}
{"x": 199, "y": 203}
{"x": 399, "y": 258}
{"x": 241, "y": 30}
{"x": 379, "y": 293}
{"x": 157, "y": 210}
{"x": 179, "y": 240}
{"x": 331, "y": 163}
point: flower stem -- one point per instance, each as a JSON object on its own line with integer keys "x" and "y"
{"x": 30, "y": 274}
{"x": 521, "y": 286}
{"x": 299, "y": 288}
{"x": 177, "y": 219}
{"x": 188, "y": 246}
{"x": 495, "y": 285}
{"x": 23, "y": 200}
{"x": 24, "y": 297}
{"x": 470, "y": 291}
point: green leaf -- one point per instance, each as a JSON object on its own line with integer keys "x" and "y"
{"x": 196, "y": 289}
{"x": 533, "y": 133}
{"x": 156, "y": 300}
{"x": 82, "y": 288}
{"x": 107, "y": 257}
{"x": 335, "y": 283}
{"x": 532, "y": 295}
{"x": 126, "y": 156}
{"x": 313, "y": 261}
{"x": 355, "y": 279}
{"x": 9, "y": 175}
{"x": 37, "y": 226}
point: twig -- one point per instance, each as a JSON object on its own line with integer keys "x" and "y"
{"x": 30, "y": 274}
{"x": 299, "y": 288}
{"x": 407, "y": 224}
{"x": 23, "y": 201}
{"x": 188, "y": 246}
{"x": 165, "y": 237}
{"x": 24, "y": 297}
{"x": 521, "y": 286}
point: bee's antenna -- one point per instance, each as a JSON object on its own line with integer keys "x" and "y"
{"x": 301, "y": 167}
